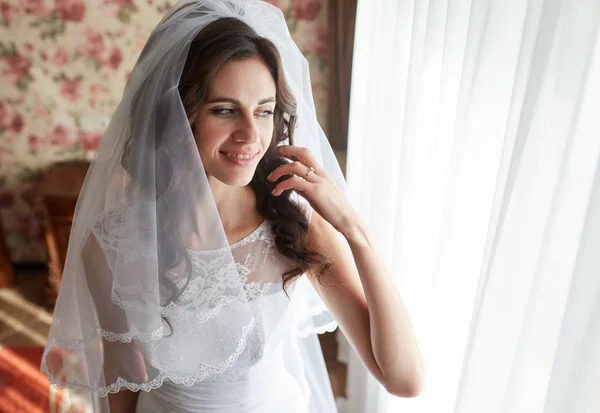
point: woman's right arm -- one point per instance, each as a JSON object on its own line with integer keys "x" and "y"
{"x": 119, "y": 359}
{"x": 125, "y": 401}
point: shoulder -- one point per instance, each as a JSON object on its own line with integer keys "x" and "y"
{"x": 108, "y": 229}
{"x": 124, "y": 230}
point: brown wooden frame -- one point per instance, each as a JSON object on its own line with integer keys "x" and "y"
{"x": 7, "y": 275}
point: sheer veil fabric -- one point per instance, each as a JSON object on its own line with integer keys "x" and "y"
{"x": 122, "y": 296}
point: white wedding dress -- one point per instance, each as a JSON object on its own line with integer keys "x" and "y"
{"x": 272, "y": 374}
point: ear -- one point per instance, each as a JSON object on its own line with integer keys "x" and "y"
{"x": 192, "y": 120}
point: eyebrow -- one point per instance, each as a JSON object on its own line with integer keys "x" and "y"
{"x": 237, "y": 102}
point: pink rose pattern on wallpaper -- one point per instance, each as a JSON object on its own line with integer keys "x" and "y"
{"x": 63, "y": 66}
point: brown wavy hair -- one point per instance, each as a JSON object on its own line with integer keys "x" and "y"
{"x": 230, "y": 39}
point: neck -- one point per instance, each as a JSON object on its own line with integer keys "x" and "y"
{"x": 233, "y": 203}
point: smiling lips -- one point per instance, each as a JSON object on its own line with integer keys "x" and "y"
{"x": 240, "y": 159}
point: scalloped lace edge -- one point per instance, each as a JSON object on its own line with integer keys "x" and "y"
{"x": 155, "y": 383}
{"x": 307, "y": 331}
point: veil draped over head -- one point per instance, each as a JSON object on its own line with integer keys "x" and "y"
{"x": 127, "y": 284}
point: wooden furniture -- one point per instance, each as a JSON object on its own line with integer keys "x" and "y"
{"x": 7, "y": 277}
{"x": 54, "y": 202}
{"x": 57, "y": 212}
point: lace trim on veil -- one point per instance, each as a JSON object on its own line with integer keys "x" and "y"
{"x": 188, "y": 380}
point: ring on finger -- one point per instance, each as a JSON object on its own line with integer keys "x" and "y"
{"x": 310, "y": 171}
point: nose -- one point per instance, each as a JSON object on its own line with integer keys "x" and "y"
{"x": 247, "y": 130}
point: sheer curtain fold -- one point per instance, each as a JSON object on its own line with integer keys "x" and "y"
{"x": 473, "y": 152}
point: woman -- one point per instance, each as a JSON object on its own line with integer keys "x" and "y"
{"x": 211, "y": 240}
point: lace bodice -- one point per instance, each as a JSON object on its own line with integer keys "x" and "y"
{"x": 261, "y": 266}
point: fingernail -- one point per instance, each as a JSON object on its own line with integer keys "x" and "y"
{"x": 269, "y": 176}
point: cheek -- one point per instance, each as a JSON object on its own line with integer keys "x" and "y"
{"x": 267, "y": 134}
{"x": 209, "y": 135}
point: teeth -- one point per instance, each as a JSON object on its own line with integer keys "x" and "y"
{"x": 239, "y": 156}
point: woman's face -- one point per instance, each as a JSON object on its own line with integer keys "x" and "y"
{"x": 234, "y": 128}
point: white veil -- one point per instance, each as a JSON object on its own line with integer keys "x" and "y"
{"x": 126, "y": 283}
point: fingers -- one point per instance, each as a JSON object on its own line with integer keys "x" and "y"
{"x": 296, "y": 168}
{"x": 294, "y": 182}
{"x": 303, "y": 155}
{"x": 301, "y": 180}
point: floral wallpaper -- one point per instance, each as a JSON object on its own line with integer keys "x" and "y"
{"x": 63, "y": 66}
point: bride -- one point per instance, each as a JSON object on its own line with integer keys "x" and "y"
{"x": 212, "y": 240}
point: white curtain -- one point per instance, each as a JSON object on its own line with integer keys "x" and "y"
{"x": 474, "y": 157}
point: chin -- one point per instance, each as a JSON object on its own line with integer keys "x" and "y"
{"x": 238, "y": 181}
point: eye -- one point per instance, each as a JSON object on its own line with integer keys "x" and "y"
{"x": 265, "y": 114}
{"x": 223, "y": 112}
